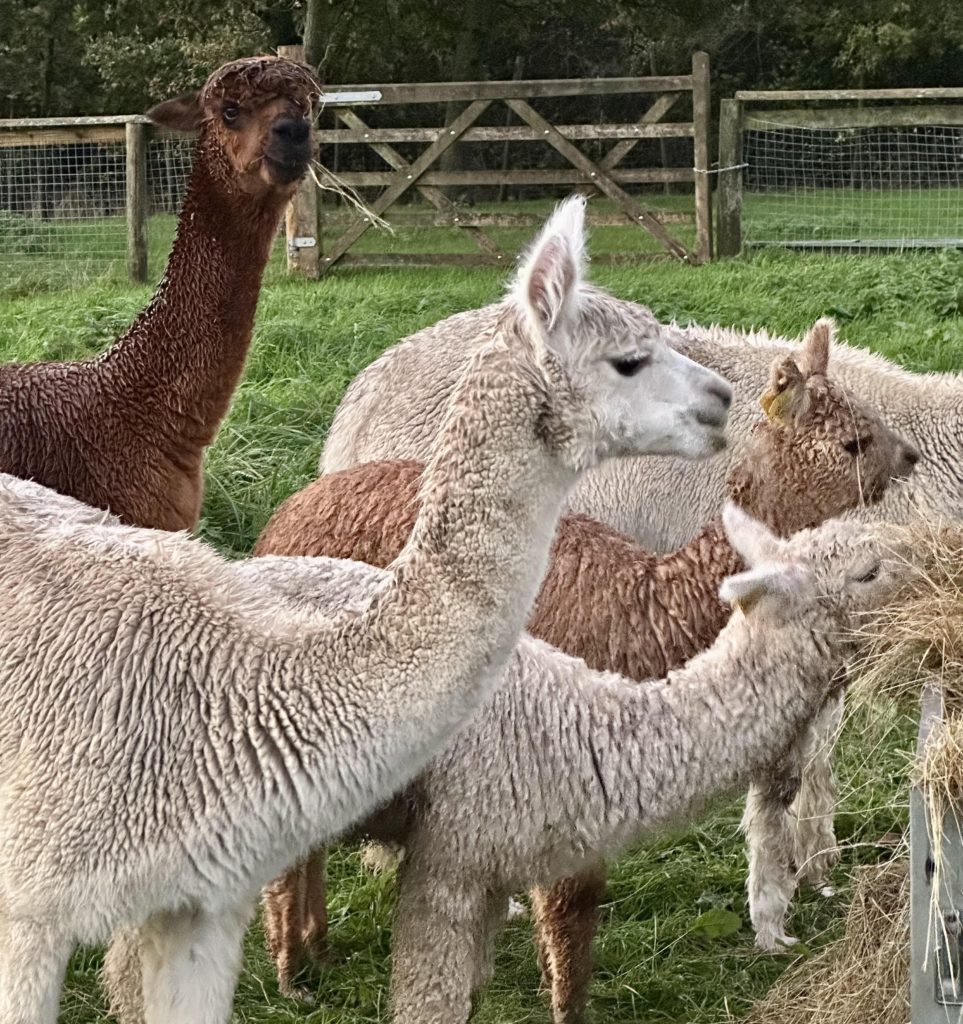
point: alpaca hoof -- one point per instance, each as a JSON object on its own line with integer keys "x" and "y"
{"x": 297, "y": 993}
{"x": 775, "y": 942}
{"x": 380, "y": 857}
{"x": 819, "y": 867}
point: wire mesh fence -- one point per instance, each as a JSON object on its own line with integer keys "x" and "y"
{"x": 63, "y": 201}
{"x": 888, "y": 187}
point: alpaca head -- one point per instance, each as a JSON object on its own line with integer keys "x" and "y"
{"x": 627, "y": 392}
{"x": 820, "y": 451}
{"x": 828, "y": 579}
{"x": 255, "y": 120}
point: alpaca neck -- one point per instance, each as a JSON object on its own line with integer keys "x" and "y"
{"x": 183, "y": 356}
{"x": 491, "y": 493}
{"x": 656, "y": 753}
{"x": 433, "y": 641}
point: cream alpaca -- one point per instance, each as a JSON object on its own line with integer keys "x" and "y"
{"x": 392, "y": 410}
{"x": 173, "y": 739}
{"x": 623, "y": 760}
{"x": 621, "y": 608}
{"x": 564, "y": 762}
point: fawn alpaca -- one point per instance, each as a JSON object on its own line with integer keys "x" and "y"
{"x": 127, "y": 430}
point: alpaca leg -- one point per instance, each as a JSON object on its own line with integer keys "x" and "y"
{"x": 541, "y": 916}
{"x": 191, "y": 964}
{"x": 496, "y": 914}
{"x": 435, "y": 955}
{"x": 316, "y": 906}
{"x": 770, "y": 840}
{"x": 284, "y": 925}
{"x": 816, "y": 852}
{"x": 122, "y": 977}
{"x": 566, "y": 920}
{"x": 33, "y": 959}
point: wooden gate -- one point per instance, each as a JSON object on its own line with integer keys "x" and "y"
{"x": 657, "y": 96}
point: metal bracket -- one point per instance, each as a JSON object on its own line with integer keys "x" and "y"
{"x": 334, "y": 99}
{"x": 936, "y": 957}
{"x": 949, "y": 986}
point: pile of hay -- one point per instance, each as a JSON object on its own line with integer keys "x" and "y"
{"x": 863, "y": 978}
{"x": 918, "y": 638}
{"x": 917, "y": 641}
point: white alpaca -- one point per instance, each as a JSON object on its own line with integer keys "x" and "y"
{"x": 565, "y": 765}
{"x": 818, "y": 452}
{"x": 174, "y": 738}
{"x": 392, "y": 410}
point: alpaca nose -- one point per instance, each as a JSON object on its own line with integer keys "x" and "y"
{"x": 293, "y": 132}
{"x": 911, "y": 457}
{"x": 721, "y": 390}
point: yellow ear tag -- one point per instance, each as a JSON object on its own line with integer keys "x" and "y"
{"x": 776, "y": 405}
{"x": 744, "y": 604}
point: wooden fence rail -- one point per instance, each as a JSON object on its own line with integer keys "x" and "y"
{"x": 423, "y": 176}
{"x": 50, "y": 161}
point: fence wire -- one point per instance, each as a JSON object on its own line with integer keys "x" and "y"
{"x": 878, "y": 187}
{"x": 63, "y": 204}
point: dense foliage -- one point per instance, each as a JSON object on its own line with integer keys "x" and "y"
{"x": 118, "y": 56}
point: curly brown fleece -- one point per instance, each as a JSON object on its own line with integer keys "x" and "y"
{"x": 127, "y": 430}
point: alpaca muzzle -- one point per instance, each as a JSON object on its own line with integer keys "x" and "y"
{"x": 289, "y": 149}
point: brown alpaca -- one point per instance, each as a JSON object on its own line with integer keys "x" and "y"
{"x": 127, "y": 430}
{"x": 604, "y": 599}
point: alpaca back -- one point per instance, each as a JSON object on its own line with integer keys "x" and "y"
{"x": 393, "y": 409}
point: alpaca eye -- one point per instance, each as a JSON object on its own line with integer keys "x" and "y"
{"x": 870, "y": 574}
{"x": 857, "y": 446}
{"x": 230, "y": 114}
{"x": 629, "y": 366}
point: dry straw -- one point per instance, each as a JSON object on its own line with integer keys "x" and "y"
{"x": 917, "y": 638}
{"x": 916, "y": 641}
{"x": 863, "y": 978}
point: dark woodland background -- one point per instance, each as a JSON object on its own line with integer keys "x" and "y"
{"x": 93, "y": 57}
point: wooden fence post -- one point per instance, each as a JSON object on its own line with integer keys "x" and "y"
{"x": 301, "y": 217}
{"x": 137, "y": 201}
{"x": 700, "y": 125}
{"x": 729, "y": 193}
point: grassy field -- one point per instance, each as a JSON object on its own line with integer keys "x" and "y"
{"x": 675, "y": 944}
{"x": 43, "y": 255}
{"x": 852, "y": 214}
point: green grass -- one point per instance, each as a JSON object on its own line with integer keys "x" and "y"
{"x": 655, "y": 964}
{"x": 853, "y": 214}
{"x": 38, "y": 255}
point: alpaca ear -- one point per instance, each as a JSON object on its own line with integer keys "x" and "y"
{"x": 548, "y": 281}
{"x": 814, "y": 357}
{"x": 182, "y": 113}
{"x": 753, "y": 541}
{"x": 786, "y": 400}
{"x": 785, "y": 582}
